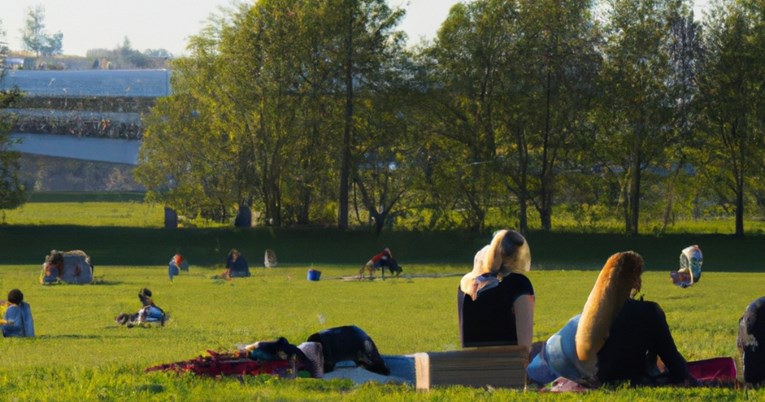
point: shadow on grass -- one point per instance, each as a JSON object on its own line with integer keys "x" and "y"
{"x": 114, "y": 246}
{"x": 70, "y": 336}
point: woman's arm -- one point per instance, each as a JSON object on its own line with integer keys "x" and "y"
{"x": 12, "y": 318}
{"x": 524, "y": 319}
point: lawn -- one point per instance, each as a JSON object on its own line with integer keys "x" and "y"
{"x": 81, "y": 354}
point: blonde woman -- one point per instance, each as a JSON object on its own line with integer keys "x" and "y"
{"x": 496, "y": 300}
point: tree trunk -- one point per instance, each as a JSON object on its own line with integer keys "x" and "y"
{"x": 634, "y": 192}
{"x": 342, "y": 218}
{"x": 740, "y": 209}
{"x": 545, "y": 217}
{"x": 545, "y": 191}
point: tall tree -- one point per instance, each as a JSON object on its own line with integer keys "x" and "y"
{"x": 550, "y": 88}
{"x": 187, "y": 159}
{"x": 3, "y": 45}
{"x": 471, "y": 50}
{"x": 367, "y": 39}
{"x": 685, "y": 51}
{"x": 34, "y": 36}
{"x": 731, "y": 88}
{"x": 635, "y": 117}
{"x": 12, "y": 191}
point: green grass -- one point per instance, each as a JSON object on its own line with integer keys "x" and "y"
{"x": 89, "y": 213}
{"x": 112, "y": 226}
{"x": 78, "y": 196}
{"x": 82, "y": 354}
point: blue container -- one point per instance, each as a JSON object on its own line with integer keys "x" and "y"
{"x": 314, "y": 275}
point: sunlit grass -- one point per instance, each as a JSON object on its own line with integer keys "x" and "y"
{"x": 128, "y": 214}
{"x": 81, "y": 350}
{"x": 128, "y": 210}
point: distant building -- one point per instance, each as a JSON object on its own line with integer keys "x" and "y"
{"x": 80, "y": 130}
{"x": 14, "y": 63}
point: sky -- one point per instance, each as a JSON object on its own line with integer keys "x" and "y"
{"x": 167, "y": 24}
{"x": 162, "y": 24}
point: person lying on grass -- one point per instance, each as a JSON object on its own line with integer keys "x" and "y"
{"x": 149, "y": 313}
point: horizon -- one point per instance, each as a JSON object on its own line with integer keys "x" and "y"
{"x": 167, "y": 24}
{"x": 100, "y": 24}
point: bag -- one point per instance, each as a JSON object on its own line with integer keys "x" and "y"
{"x": 715, "y": 371}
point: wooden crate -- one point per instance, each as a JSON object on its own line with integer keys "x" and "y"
{"x": 495, "y": 366}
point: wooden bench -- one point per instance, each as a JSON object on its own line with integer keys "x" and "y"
{"x": 495, "y": 366}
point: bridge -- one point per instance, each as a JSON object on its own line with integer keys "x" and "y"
{"x": 88, "y": 115}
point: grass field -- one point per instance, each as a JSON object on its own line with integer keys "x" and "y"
{"x": 81, "y": 354}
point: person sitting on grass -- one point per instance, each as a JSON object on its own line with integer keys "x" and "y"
{"x": 236, "y": 265}
{"x": 53, "y": 267}
{"x": 149, "y": 313}
{"x": 17, "y": 320}
{"x": 495, "y": 302}
{"x": 176, "y": 265}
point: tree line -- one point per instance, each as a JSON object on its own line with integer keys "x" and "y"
{"x": 315, "y": 112}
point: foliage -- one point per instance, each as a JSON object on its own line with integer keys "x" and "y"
{"x": 36, "y": 38}
{"x": 256, "y": 83}
{"x": 12, "y": 192}
{"x": 731, "y": 101}
{"x": 125, "y": 57}
{"x": 637, "y": 114}
{"x": 620, "y": 111}
{"x": 3, "y": 45}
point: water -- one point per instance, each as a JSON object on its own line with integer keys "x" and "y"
{"x": 140, "y": 83}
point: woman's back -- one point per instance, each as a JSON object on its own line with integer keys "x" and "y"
{"x": 490, "y": 320}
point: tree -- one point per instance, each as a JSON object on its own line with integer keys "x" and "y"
{"x": 269, "y": 83}
{"x": 473, "y": 47}
{"x": 366, "y": 39}
{"x": 384, "y": 171}
{"x": 635, "y": 118}
{"x": 732, "y": 100}
{"x": 549, "y": 88}
{"x": 685, "y": 51}
{"x": 3, "y": 46}
{"x": 35, "y": 37}
{"x": 12, "y": 192}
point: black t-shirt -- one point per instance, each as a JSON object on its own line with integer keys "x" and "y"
{"x": 490, "y": 320}
{"x": 639, "y": 330}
